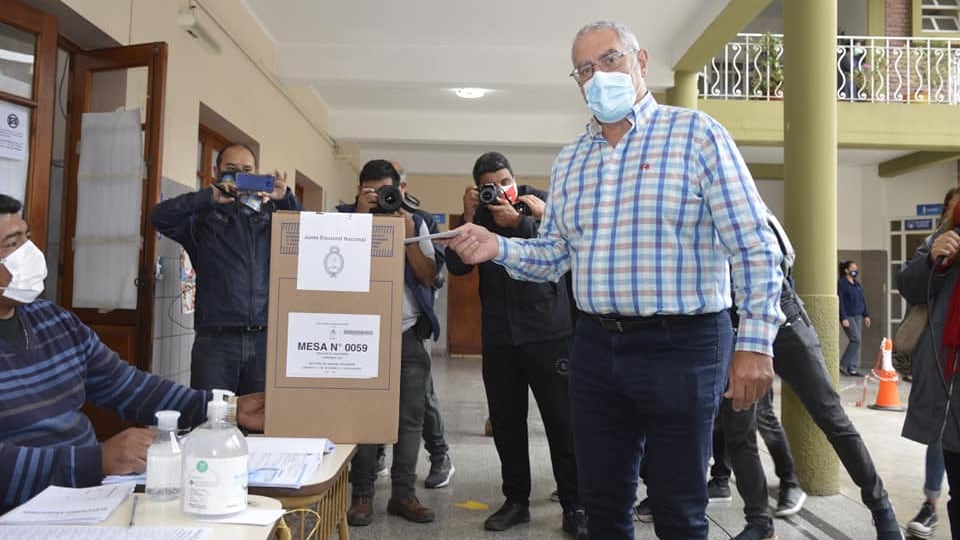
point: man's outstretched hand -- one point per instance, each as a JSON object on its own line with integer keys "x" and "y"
{"x": 474, "y": 244}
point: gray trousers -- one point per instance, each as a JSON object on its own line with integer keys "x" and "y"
{"x": 414, "y": 374}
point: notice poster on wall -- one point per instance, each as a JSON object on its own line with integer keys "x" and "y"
{"x": 13, "y": 132}
{"x": 333, "y": 345}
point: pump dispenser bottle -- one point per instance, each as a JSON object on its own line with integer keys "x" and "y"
{"x": 215, "y": 465}
{"x": 163, "y": 459}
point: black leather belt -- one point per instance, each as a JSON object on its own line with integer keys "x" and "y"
{"x": 617, "y": 323}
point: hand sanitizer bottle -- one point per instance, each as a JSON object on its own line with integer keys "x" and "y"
{"x": 163, "y": 459}
{"x": 215, "y": 465}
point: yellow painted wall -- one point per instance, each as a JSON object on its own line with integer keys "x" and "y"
{"x": 444, "y": 194}
{"x": 230, "y": 83}
{"x": 860, "y": 125}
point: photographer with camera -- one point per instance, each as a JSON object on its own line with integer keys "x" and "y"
{"x": 226, "y": 232}
{"x": 379, "y": 193}
{"x": 526, "y": 332}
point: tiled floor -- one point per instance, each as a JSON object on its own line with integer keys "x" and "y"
{"x": 477, "y": 478}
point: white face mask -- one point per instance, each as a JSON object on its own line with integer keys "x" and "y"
{"x": 28, "y": 269}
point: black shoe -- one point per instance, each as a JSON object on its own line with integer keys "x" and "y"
{"x": 642, "y": 512}
{"x": 756, "y": 532}
{"x": 510, "y": 514}
{"x": 441, "y": 471}
{"x": 719, "y": 490}
{"x": 925, "y": 522}
{"x": 790, "y": 501}
{"x": 575, "y": 523}
{"x": 885, "y": 520}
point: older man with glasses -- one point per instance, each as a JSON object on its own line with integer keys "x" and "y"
{"x": 651, "y": 207}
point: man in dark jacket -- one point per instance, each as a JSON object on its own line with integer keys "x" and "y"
{"x": 418, "y": 322}
{"x": 227, "y": 235}
{"x": 526, "y": 332}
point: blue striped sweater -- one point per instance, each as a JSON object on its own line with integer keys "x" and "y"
{"x": 44, "y": 437}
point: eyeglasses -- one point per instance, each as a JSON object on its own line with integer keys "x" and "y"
{"x": 610, "y": 61}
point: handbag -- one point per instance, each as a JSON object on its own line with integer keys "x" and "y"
{"x": 908, "y": 334}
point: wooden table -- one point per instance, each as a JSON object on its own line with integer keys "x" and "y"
{"x": 326, "y": 492}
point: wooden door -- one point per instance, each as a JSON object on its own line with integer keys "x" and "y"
{"x": 101, "y": 81}
{"x": 27, "y": 90}
{"x": 463, "y": 308}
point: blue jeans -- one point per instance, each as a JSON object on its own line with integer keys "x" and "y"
{"x": 933, "y": 471}
{"x": 650, "y": 392}
{"x": 229, "y": 358}
{"x": 851, "y": 355}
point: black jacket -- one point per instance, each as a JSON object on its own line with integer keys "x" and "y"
{"x": 516, "y": 312}
{"x": 229, "y": 246}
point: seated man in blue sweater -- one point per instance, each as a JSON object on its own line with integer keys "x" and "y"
{"x": 50, "y": 364}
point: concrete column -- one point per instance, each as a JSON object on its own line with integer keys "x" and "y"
{"x": 684, "y": 92}
{"x": 810, "y": 197}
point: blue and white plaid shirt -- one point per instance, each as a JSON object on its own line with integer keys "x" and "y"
{"x": 655, "y": 224}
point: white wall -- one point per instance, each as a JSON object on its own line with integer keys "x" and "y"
{"x": 866, "y": 202}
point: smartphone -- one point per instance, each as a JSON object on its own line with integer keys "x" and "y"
{"x": 255, "y": 182}
{"x": 249, "y": 182}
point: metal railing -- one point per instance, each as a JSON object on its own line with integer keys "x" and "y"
{"x": 869, "y": 69}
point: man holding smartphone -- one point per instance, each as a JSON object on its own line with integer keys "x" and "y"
{"x": 226, "y": 233}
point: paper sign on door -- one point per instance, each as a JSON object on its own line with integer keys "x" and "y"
{"x": 333, "y": 345}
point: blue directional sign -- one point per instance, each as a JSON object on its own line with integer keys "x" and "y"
{"x": 917, "y": 224}
{"x": 929, "y": 209}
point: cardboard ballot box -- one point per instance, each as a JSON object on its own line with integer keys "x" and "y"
{"x": 333, "y": 336}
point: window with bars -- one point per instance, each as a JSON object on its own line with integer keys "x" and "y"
{"x": 940, "y": 15}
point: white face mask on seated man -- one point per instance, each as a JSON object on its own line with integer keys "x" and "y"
{"x": 28, "y": 269}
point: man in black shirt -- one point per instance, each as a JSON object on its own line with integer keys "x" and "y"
{"x": 526, "y": 332}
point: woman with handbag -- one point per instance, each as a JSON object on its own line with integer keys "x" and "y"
{"x": 931, "y": 277}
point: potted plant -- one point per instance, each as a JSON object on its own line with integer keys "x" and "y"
{"x": 768, "y": 67}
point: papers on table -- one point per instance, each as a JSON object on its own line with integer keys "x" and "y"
{"x": 54, "y": 532}
{"x": 70, "y": 505}
{"x": 280, "y": 462}
{"x": 263, "y": 517}
{"x": 285, "y": 462}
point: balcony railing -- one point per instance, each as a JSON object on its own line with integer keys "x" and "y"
{"x": 869, "y": 69}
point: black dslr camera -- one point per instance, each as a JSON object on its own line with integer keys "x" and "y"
{"x": 489, "y": 193}
{"x": 390, "y": 199}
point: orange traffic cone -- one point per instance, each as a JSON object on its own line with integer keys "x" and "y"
{"x": 888, "y": 397}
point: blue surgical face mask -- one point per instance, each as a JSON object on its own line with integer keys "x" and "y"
{"x": 610, "y": 95}
{"x": 853, "y": 273}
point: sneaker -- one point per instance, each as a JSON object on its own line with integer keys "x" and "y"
{"x": 575, "y": 523}
{"x": 925, "y": 522}
{"x": 382, "y": 469}
{"x": 719, "y": 490}
{"x": 555, "y": 496}
{"x": 441, "y": 471}
{"x": 410, "y": 509}
{"x": 360, "y": 513}
{"x": 642, "y": 512}
{"x": 790, "y": 501}
{"x": 510, "y": 514}
{"x": 756, "y": 532}
{"x": 885, "y": 520}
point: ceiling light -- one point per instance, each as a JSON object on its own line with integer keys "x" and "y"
{"x": 470, "y": 93}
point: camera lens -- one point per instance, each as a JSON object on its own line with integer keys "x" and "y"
{"x": 388, "y": 199}
{"x": 489, "y": 193}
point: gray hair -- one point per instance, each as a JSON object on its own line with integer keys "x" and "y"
{"x": 626, "y": 36}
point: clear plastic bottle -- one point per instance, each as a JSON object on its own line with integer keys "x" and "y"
{"x": 215, "y": 465}
{"x": 163, "y": 459}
